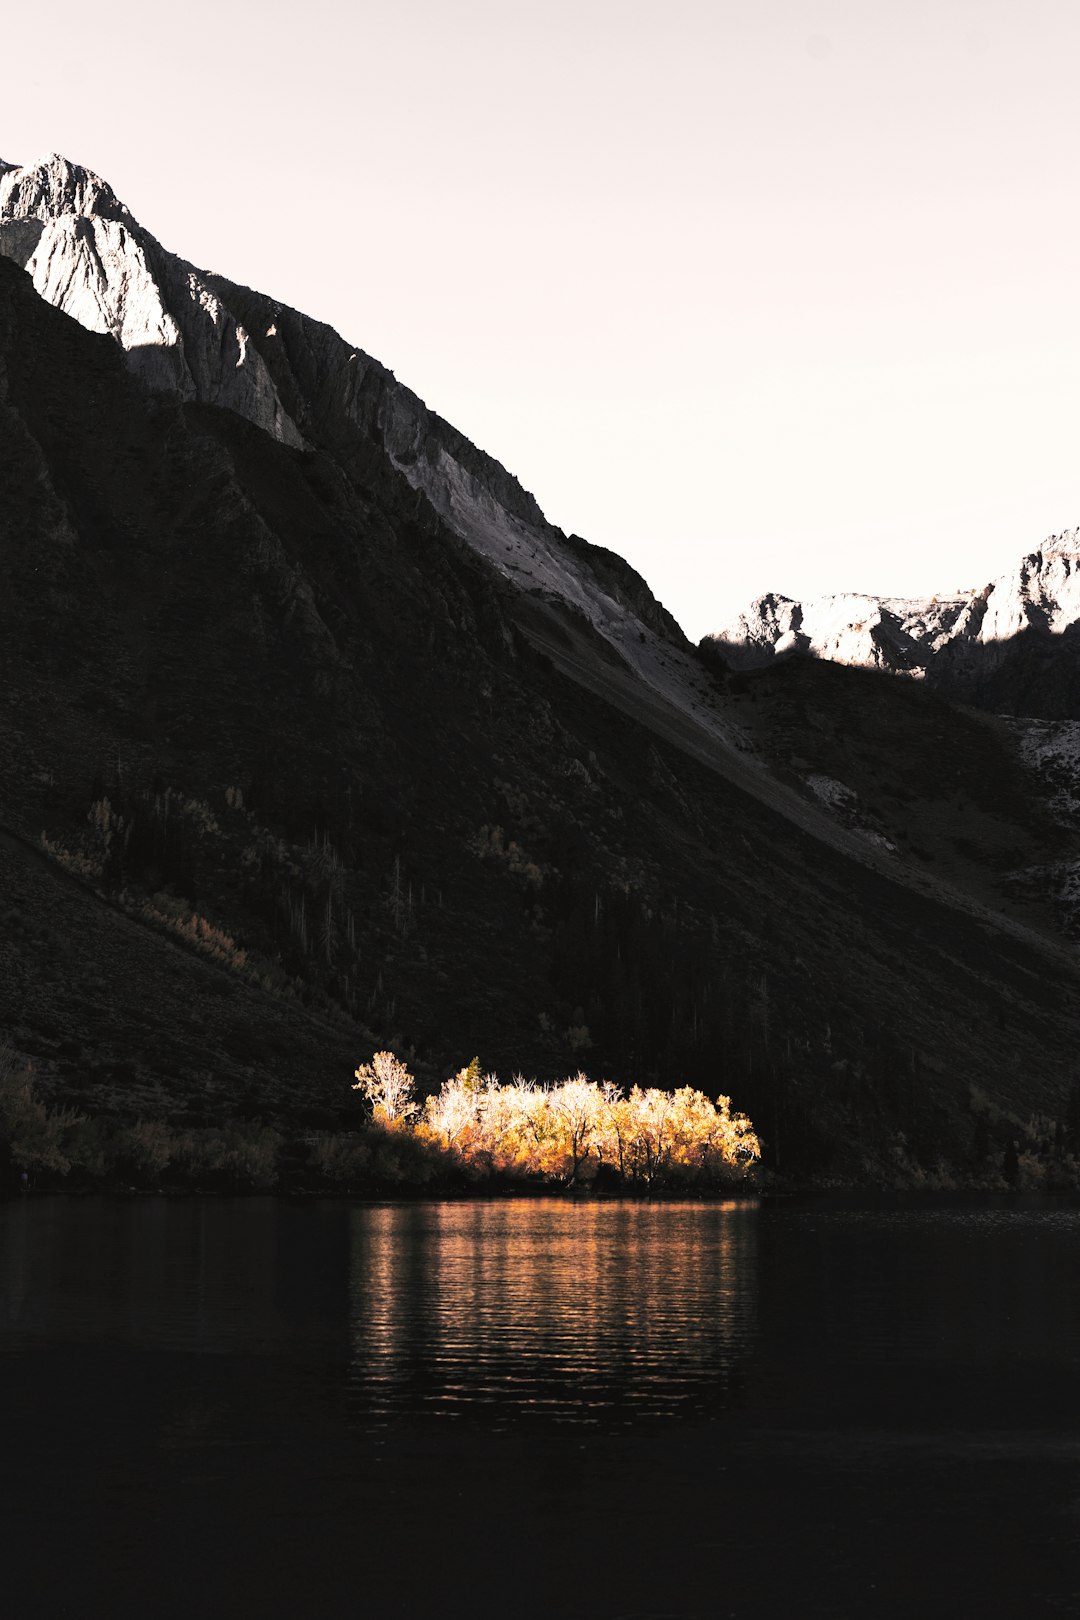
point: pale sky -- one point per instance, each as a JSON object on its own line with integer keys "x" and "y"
{"x": 762, "y": 294}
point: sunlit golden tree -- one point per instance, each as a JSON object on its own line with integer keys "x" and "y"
{"x": 565, "y": 1132}
{"x": 388, "y": 1086}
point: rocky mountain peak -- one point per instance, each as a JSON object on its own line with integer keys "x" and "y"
{"x": 89, "y": 256}
{"x": 993, "y": 643}
{"x": 53, "y": 186}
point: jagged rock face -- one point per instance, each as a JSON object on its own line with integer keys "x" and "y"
{"x": 332, "y": 389}
{"x": 999, "y": 645}
{"x": 847, "y": 629}
{"x": 1041, "y": 593}
{"x": 90, "y": 258}
{"x": 53, "y": 187}
{"x": 204, "y": 338}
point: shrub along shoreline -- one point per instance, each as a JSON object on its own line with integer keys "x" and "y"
{"x": 574, "y": 1134}
{"x": 476, "y": 1136}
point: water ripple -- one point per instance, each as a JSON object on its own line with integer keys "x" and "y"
{"x": 569, "y": 1313}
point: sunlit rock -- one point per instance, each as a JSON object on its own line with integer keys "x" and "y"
{"x": 966, "y": 638}
{"x": 89, "y": 257}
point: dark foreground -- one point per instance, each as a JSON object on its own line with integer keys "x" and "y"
{"x": 605, "y": 1410}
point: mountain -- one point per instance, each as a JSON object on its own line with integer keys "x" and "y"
{"x": 187, "y": 332}
{"x": 89, "y": 257}
{"x": 1010, "y": 647}
{"x": 319, "y": 737}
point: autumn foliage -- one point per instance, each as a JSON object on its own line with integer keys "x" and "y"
{"x": 575, "y": 1132}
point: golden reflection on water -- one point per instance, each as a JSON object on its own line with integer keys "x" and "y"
{"x": 581, "y": 1312}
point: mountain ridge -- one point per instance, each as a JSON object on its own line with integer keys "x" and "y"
{"x": 289, "y": 374}
{"x": 965, "y": 644}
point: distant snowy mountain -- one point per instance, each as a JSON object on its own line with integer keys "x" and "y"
{"x": 1003, "y": 645}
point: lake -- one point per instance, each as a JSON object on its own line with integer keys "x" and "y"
{"x": 538, "y": 1407}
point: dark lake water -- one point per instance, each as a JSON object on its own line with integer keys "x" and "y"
{"x": 631, "y": 1411}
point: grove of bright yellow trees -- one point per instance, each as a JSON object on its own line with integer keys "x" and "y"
{"x": 570, "y": 1132}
